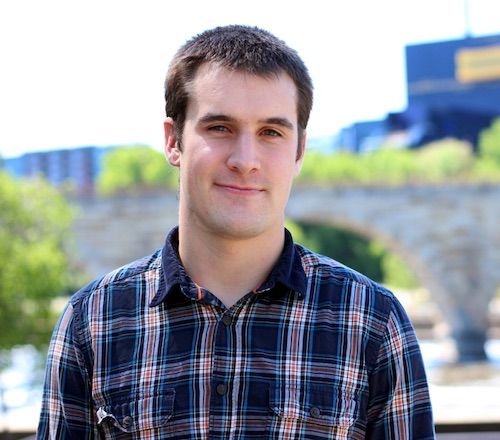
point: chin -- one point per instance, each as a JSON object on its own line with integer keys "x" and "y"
{"x": 241, "y": 231}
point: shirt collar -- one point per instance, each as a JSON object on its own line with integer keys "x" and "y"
{"x": 288, "y": 270}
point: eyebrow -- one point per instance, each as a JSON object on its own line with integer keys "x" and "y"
{"x": 214, "y": 117}
{"x": 284, "y": 122}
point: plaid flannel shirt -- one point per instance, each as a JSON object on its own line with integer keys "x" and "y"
{"x": 317, "y": 352}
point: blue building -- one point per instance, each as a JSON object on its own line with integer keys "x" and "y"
{"x": 78, "y": 167}
{"x": 453, "y": 91}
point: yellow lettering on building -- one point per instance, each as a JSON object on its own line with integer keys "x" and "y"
{"x": 478, "y": 64}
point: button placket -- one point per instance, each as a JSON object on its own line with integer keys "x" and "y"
{"x": 227, "y": 319}
{"x": 224, "y": 360}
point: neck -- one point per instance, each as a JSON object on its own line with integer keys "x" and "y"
{"x": 227, "y": 267}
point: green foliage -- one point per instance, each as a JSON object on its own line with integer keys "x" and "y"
{"x": 323, "y": 168}
{"x": 486, "y": 167}
{"x": 34, "y": 227}
{"x": 486, "y": 170}
{"x": 135, "y": 168}
{"x": 388, "y": 166}
{"x": 396, "y": 273}
{"x": 444, "y": 161}
{"x": 355, "y": 251}
{"x": 448, "y": 160}
{"x": 296, "y": 231}
{"x": 490, "y": 143}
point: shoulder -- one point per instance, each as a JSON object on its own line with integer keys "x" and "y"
{"x": 359, "y": 304}
{"x": 143, "y": 270}
{"x": 328, "y": 271}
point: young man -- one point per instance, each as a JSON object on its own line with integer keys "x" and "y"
{"x": 232, "y": 331}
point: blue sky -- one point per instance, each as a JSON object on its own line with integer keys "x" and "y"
{"x": 91, "y": 72}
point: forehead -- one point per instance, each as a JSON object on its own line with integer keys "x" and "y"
{"x": 233, "y": 92}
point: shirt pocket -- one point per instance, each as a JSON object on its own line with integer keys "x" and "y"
{"x": 130, "y": 418}
{"x": 314, "y": 412}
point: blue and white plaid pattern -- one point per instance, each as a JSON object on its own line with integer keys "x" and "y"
{"x": 317, "y": 352}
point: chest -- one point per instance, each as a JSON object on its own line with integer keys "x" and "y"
{"x": 261, "y": 370}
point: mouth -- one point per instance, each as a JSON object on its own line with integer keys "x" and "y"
{"x": 239, "y": 189}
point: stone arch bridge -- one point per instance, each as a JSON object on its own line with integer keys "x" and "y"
{"x": 448, "y": 235}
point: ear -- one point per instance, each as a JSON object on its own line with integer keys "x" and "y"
{"x": 172, "y": 152}
{"x": 301, "y": 150}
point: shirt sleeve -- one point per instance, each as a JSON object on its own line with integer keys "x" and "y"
{"x": 67, "y": 409}
{"x": 399, "y": 404}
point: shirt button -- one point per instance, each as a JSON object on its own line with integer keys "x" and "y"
{"x": 315, "y": 412}
{"x": 227, "y": 320}
{"x": 127, "y": 422}
{"x": 221, "y": 389}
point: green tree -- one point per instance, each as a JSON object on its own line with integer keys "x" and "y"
{"x": 487, "y": 165}
{"x": 135, "y": 168}
{"x": 444, "y": 160}
{"x": 34, "y": 228}
{"x": 489, "y": 143}
{"x": 447, "y": 160}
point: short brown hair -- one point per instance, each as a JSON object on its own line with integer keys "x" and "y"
{"x": 235, "y": 47}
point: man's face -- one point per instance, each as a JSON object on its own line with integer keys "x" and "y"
{"x": 239, "y": 152}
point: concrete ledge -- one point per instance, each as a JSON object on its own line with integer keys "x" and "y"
{"x": 483, "y": 428}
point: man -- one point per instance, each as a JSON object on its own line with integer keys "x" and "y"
{"x": 232, "y": 331}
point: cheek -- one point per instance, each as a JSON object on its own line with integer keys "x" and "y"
{"x": 194, "y": 170}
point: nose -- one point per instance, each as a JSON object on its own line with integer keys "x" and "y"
{"x": 243, "y": 157}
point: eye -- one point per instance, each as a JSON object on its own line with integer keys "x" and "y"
{"x": 271, "y": 132}
{"x": 218, "y": 128}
